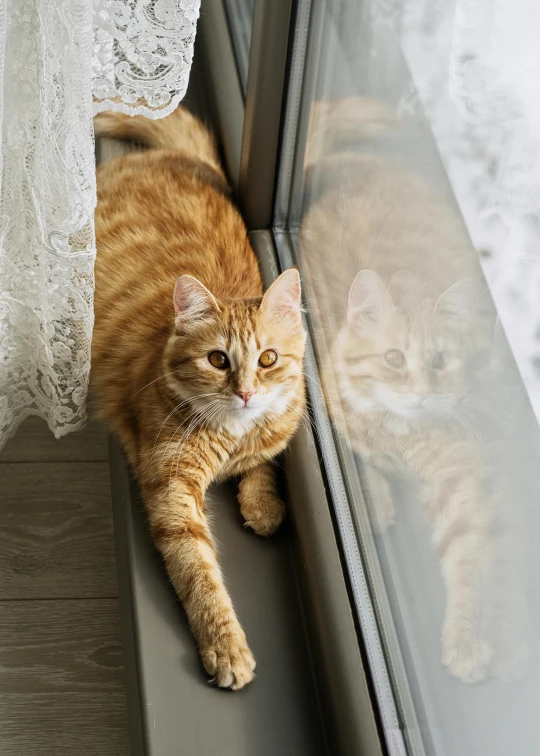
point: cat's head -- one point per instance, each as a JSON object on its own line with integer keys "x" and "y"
{"x": 402, "y": 355}
{"x": 239, "y": 362}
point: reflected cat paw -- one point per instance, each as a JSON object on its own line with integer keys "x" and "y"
{"x": 467, "y": 659}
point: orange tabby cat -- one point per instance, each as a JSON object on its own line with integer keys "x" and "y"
{"x": 201, "y": 379}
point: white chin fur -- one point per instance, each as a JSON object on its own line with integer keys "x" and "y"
{"x": 431, "y": 410}
{"x": 238, "y": 418}
{"x": 398, "y": 415}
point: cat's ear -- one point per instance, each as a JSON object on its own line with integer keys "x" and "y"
{"x": 192, "y": 302}
{"x": 283, "y": 297}
{"x": 369, "y": 300}
{"x": 467, "y": 298}
{"x": 458, "y": 300}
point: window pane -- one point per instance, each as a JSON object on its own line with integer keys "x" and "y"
{"x": 240, "y": 17}
{"x": 409, "y": 193}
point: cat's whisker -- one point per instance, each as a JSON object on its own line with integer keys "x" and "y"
{"x": 159, "y": 378}
{"x": 176, "y": 408}
{"x": 197, "y": 416}
{"x": 309, "y": 425}
{"x": 450, "y": 419}
{"x": 193, "y": 417}
{"x": 163, "y": 425}
{"x": 207, "y": 419}
{"x": 204, "y": 426}
{"x": 314, "y": 380}
{"x": 312, "y": 424}
{"x": 306, "y": 418}
{"x": 495, "y": 411}
{"x": 469, "y": 425}
{"x": 179, "y": 446}
{"x": 208, "y": 413}
{"x": 470, "y": 419}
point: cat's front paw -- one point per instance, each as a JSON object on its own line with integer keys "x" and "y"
{"x": 263, "y": 516}
{"x": 228, "y": 660}
{"x": 468, "y": 659}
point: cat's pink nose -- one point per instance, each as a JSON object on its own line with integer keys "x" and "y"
{"x": 245, "y": 395}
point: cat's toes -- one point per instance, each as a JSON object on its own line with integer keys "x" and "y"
{"x": 467, "y": 659}
{"x": 264, "y": 518}
{"x": 229, "y": 661}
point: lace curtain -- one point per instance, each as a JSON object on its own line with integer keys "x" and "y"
{"x": 61, "y": 62}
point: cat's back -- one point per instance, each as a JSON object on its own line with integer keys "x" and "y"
{"x": 161, "y": 213}
{"x": 377, "y": 214}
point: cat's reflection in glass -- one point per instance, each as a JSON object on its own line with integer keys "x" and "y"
{"x": 413, "y": 362}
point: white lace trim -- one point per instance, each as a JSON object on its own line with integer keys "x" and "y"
{"x": 140, "y": 60}
{"x": 47, "y": 200}
{"x": 142, "y": 54}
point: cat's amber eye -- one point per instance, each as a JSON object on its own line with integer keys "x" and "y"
{"x": 438, "y": 362}
{"x": 395, "y": 358}
{"x": 268, "y": 358}
{"x": 219, "y": 360}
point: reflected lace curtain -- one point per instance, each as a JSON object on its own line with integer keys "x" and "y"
{"x": 60, "y": 63}
{"x": 475, "y": 67}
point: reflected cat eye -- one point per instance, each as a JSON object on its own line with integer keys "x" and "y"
{"x": 438, "y": 362}
{"x": 268, "y": 358}
{"x": 219, "y": 360}
{"x": 395, "y": 358}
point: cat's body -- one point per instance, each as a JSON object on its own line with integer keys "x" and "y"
{"x": 395, "y": 294}
{"x": 202, "y": 390}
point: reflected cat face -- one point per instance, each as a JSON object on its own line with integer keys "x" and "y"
{"x": 404, "y": 357}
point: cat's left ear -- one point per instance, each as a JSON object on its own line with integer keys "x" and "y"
{"x": 192, "y": 303}
{"x": 369, "y": 300}
{"x": 283, "y": 297}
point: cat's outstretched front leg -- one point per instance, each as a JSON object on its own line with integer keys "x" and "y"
{"x": 462, "y": 540}
{"x": 260, "y": 503}
{"x": 181, "y": 533}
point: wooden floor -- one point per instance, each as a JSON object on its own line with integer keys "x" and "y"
{"x": 61, "y": 676}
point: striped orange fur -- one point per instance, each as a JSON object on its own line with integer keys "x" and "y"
{"x": 165, "y": 215}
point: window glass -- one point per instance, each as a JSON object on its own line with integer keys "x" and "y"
{"x": 408, "y": 194}
{"x": 240, "y": 17}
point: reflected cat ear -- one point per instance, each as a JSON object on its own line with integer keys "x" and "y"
{"x": 369, "y": 299}
{"x": 461, "y": 299}
{"x": 192, "y": 302}
{"x": 283, "y": 297}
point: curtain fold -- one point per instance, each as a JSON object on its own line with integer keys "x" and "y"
{"x": 59, "y": 63}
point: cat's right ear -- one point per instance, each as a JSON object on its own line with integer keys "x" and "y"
{"x": 192, "y": 303}
{"x": 282, "y": 300}
{"x": 369, "y": 300}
